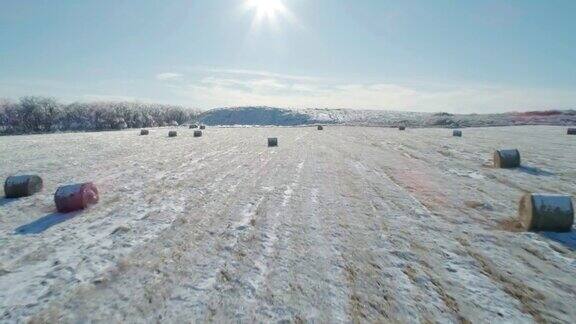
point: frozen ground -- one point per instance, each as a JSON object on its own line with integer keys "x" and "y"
{"x": 343, "y": 225}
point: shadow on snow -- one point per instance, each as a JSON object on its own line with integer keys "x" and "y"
{"x": 44, "y": 223}
{"x": 6, "y": 201}
{"x": 534, "y": 171}
{"x": 567, "y": 239}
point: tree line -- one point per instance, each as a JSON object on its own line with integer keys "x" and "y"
{"x": 44, "y": 115}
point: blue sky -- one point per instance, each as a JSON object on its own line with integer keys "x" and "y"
{"x": 423, "y": 55}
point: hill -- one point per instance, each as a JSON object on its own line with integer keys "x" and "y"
{"x": 355, "y": 117}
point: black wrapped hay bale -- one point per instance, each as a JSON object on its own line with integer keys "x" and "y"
{"x": 202, "y": 127}
{"x": 457, "y": 133}
{"x": 571, "y": 131}
{"x": 75, "y": 197}
{"x": 172, "y": 133}
{"x": 320, "y": 127}
{"x": 402, "y": 128}
{"x": 197, "y": 133}
{"x": 507, "y": 159}
{"x": 144, "y": 132}
{"x": 272, "y": 142}
{"x": 193, "y": 126}
{"x": 22, "y": 186}
{"x": 546, "y": 212}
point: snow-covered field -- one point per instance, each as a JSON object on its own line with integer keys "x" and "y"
{"x": 341, "y": 225}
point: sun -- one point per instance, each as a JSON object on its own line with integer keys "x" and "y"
{"x": 266, "y": 9}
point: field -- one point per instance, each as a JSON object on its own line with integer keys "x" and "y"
{"x": 341, "y": 225}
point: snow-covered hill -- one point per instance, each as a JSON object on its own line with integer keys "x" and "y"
{"x": 288, "y": 117}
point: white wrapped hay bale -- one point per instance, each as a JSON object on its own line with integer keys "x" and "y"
{"x": 571, "y": 131}
{"x": 507, "y": 159}
{"x": 75, "y": 197}
{"x": 22, "y": 186}
{"x": 197, "y": 133}
{"x": 320, "y": 127}
{"x": 457, "y": 133}
{"x": 546, "y": 212}
{"x": 272, "y": 142}
{"x": 172, "y": 133}
{"x": 144, "y": 132}
{"x": 402, "y": 128}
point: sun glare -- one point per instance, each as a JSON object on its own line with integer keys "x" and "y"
{"x": 266, "y": 9}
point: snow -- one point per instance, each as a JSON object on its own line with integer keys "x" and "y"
{"x": 350, "y": 224}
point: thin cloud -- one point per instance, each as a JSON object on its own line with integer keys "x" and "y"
{"x": 257, "y": 73}
{"x": 213, "y": 92}
{"x": 168, "y": 76}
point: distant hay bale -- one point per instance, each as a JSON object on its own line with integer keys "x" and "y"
{"x": 571, "y": 131}
{"x": 402, "y": 128}
{"x": 506, "y": 159}
{"x": 144, "y": 132}
{"x": 197, "y": 133}
{"x": 546, "y": 212}
{"x": 193, "y": 126}
{"x": 320, "y": 127}
{"x": 75, "y": 197}
{"x": 272, "y": 142}
{"x": 22, "y": 186}
{"x": 457, "y": 133}
{"x": 202, "y": 126}
{"x": 172, "y": 133}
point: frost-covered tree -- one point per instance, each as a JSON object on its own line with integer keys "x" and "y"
{"x": 39, "y": 114}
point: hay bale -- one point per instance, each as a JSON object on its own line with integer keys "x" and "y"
{"x": 144, "y": 132}
{"x": 202, "y": 127}
{"x": 457, "y": 133}
{"x": 272, "y": 142}
{"x": 402, "y": 128}
{"x": 197, "y": 133}
{"x": 507, "y": 159}
{"x": 172, "y": 133}
{"x": 75, "y": 197}
{"x": 546, "y": 212}
{"x": 571, "y": 131}
{"x": 193, "y": 126}
{"x": 320, "y": 127}
{"x": 22, "y": 186}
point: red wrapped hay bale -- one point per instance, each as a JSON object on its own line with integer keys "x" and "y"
{"x": 546, "y": 212}
{"x": 507, "y": 159}
{"x": 172, "y": 133}
{"x": 74, "y": 197}
{"x": 197, "y": 133}
{"x": 22, "y": 186}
